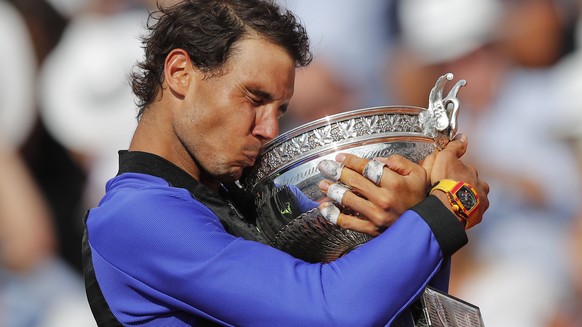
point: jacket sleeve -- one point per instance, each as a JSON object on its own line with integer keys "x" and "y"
{"x": 177, "y": 257}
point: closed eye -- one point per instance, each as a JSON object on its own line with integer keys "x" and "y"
{"x": 260, "y": 98}
{"x": 257, "y": 102}
{"x": 283, "y": 109}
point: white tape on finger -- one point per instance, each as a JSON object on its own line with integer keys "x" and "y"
{"x": 336, "y": 192}
{"x": 330, "y": 169}
{"x": 374, "y": 171}
{"x": 330, "y": 212}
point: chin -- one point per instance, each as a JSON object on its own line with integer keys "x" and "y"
{"x": 231, "y": 176}
{"x": 230, "y": 172}
{"x": 237, "y": 176}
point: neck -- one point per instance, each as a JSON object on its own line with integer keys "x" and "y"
{"x": 212, "y": 184}
{"x": 154, "y": 135}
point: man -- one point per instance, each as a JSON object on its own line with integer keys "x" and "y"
{"x": 166, "y": 246}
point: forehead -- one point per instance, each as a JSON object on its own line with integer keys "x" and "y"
{"x": 263, "y": 64}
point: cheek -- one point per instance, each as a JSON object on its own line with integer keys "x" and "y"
{"x": 239, "y": 120}
{"x": 228, "y": 132}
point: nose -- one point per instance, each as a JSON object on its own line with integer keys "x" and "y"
{"x": 266, "y": 124}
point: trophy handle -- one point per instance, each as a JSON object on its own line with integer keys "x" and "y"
{"x": 452, "y": 105}
{"x": 440, "y": 119}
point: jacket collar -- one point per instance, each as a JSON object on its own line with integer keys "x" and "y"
{"x": 232, "y": 206}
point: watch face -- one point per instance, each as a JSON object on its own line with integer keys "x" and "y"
{"x": 467, "y": 198}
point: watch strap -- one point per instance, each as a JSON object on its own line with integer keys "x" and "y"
{"x": 450, "y": 188}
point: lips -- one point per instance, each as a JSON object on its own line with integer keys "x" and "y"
{"x": 252, "y": 159}
{"x": 252, "y": 155}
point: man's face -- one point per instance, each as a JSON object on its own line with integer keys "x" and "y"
{"x": 227, "y": 118}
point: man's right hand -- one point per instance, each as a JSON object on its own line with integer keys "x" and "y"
{"x": 446, "y": 164}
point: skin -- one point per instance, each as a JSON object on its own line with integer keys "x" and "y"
{"x": 403, "y": 185}
{"x": 213, "y": 127}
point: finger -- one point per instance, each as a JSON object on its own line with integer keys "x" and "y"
{"x": 335, "y": 191}
{"x": 428, "y": 162}
{"x": 358, "y": 225}
{"x": 377, "y": 214}
{"x": 458, "y": 145}
{"x": 461, "y": 137}
{"x": 331, "y": 213}
{"x": 374, "y": 171}
{"x": 360, "y": 184}
{"x": 380, "y": 205}
{"x": 353, "y": 162}
{"x": 399, "y": 164}
{"x": 382, "y": 197}
{"x": 330, "y": 169}
{"x": 351, "y": 175}
{"x": 357, "y": 168}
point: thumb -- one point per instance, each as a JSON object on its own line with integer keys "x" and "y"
{"x": 458, "y": 145}
{"x": 428, "y": 162}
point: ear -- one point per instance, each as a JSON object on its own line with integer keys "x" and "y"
{"x": 178, "y": 71}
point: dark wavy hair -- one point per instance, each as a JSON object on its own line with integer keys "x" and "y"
{"x": 208, "y": 30}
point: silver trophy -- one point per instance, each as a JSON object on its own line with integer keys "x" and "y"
{"x": 285, "y": 178}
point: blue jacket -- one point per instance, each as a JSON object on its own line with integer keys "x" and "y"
{"x": 159, "y": 250}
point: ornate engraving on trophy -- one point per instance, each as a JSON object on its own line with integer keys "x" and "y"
{"x": 322, "y": 136}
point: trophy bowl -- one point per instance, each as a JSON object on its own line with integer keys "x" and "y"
{"x": 284, "y": 181}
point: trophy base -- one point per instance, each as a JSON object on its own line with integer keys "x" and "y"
{"x": 438, "y": 309}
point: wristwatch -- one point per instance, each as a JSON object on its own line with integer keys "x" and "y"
{"x": 463, "y": 198}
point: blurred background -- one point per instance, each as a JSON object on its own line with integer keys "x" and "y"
{"x": 66, "y": 108}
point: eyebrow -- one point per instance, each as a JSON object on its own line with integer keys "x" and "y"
{"x": 267, "y": 97}
{"x": 261, "y": 94}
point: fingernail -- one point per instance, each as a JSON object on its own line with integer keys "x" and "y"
{"x": 329, "y": 211}
{"x": 340, "y": 157}
{"x": 330, "y": 169}
{"x": 461, "y": 137}
{"x": 324, "y": 185}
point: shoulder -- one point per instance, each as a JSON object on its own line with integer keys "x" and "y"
{"x": 140, "y": 211}
{"x": 135, "y": 194}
